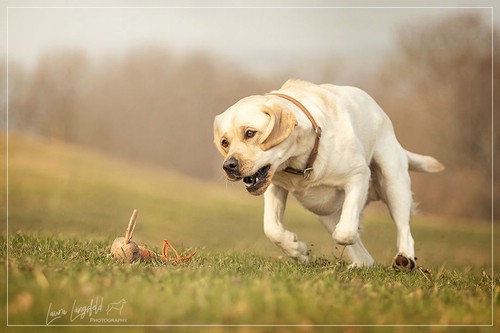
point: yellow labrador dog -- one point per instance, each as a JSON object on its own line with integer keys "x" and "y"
{"x": 334, "y": 149}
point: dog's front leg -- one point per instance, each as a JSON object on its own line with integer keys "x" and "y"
{"x": 356, "y": 189}
{"x": 274, "y": 209}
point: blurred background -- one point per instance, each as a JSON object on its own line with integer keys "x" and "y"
{"x": 144, "y": 84}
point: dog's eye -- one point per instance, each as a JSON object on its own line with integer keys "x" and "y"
{"x": 249, "y": 134}
{"x": 224, "y": 143}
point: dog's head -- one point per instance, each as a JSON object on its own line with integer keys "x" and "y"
{"x": 252, "y": 136}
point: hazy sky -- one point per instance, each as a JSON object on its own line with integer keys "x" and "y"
{"x": 258, "y": 39}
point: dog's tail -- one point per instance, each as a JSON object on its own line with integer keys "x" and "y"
{"x": 422, "y": 163}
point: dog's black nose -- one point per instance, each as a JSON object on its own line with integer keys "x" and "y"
{"x": 231, "y": 166}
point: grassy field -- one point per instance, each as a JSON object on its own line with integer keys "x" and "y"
{"x": 66, "y": 205}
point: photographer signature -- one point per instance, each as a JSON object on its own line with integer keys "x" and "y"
{"x": 93, "y": 310}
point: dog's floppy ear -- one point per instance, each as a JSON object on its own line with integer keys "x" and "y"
{"x": 217, "y": 136}
{"x": 281, "y": 124}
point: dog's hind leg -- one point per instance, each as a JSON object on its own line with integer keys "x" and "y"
{"x": 356, "y": 252}
{"x": 395, "y": 184}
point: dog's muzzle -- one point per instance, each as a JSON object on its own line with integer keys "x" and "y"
{"x": 256, "y": 181}
{"x": 255, "y": 184}
{"x": 232, "y": 169}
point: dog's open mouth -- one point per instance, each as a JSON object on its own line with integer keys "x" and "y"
{"x": 256, "y": 181}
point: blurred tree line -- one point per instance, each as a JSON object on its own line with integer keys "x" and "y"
{"x": 438, "y": 89}
{"x": 149, "y": 106}
{"x": 152, "y": 106}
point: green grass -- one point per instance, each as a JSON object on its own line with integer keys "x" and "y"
{"x": 231, "y": 288}
{"x": 66, "y": 205}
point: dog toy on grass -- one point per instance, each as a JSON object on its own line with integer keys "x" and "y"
{"x": 177, "y": 258}
{"x": 124, "y": 248}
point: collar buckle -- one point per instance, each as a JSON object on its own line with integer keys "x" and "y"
{"x": 307, "y": 172}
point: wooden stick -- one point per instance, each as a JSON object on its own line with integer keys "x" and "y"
{"x": 131, "y": 226}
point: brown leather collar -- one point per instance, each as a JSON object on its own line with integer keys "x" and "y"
{"x": 317, "y": 130}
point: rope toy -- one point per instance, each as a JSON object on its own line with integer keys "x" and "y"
{"x": 178, "y": 258}
{"x": 124, "y": 248}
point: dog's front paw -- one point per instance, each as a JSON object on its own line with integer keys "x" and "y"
{"x": 403, "y": 263}
{"x": 289, "y": 243}
{"x": 297, "y": 250}
{"x": 345, "y": 236}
